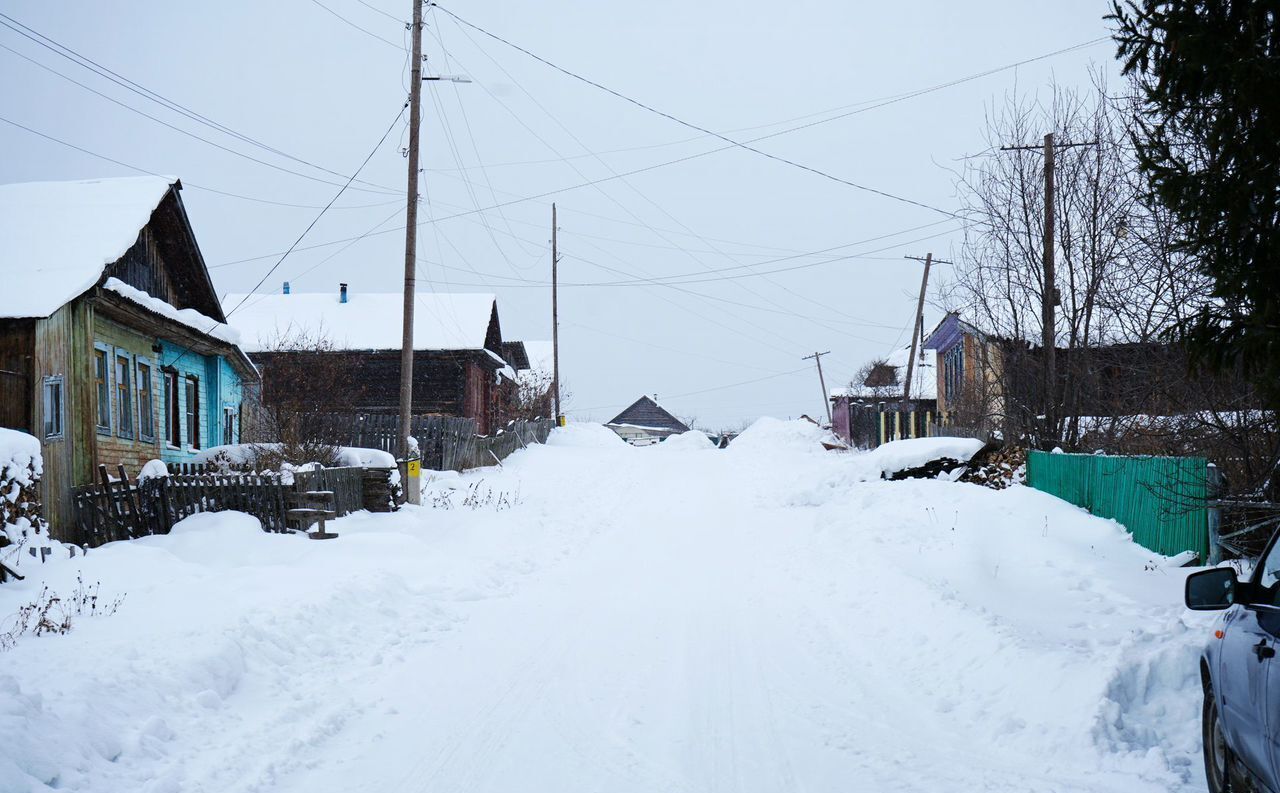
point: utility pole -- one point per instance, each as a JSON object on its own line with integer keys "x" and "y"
{"x": 555, "y": 322}
{"x": 826, "y": 398}
{"x": 1050, "y": 296}
{"x": 411, "y": 234}
{"x": 918, "y": 331}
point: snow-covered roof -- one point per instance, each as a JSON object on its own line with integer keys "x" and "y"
{"x": 924, "y": 378}
{"x": 365, "y": 322}
{"x": 56, "y": 238}
{"x": 187, "y": 316}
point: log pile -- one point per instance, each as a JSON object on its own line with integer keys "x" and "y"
{"x": 998, "y": 468}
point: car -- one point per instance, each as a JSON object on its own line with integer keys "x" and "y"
{"x": 1241, "y": 674}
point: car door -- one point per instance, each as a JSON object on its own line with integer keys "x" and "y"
{"x": 1251, "y": 635}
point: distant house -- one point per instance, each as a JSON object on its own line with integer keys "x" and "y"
{"x": 970, "y": 373}
{"x": 461, "y": 365}
{"x": 113, "y": 345}
{"x": 872, "y": 411}
{"x": 535, "y": 381}
{"x": 645, "y": 422}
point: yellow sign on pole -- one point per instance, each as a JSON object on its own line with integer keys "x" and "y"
{"x": 415, "y": 466}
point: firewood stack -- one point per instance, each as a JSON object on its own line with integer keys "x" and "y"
{"x": 998, "y": 468}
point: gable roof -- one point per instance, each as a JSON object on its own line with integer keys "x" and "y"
{"x": 57, "y": 238}
{"x": 366, "y": 321}
{"x": 949, "y": 331}
{"x": 644, "y": 412}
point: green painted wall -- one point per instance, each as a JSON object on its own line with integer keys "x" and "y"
{"x": 1160, "y": 500}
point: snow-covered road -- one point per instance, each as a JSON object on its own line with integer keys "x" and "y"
{"x": 673, "y": 618}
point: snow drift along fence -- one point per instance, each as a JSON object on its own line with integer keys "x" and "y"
{"x": 117, "y": 509}
{"x": 447, "y": 443}
{"x": 1162, "y": 501}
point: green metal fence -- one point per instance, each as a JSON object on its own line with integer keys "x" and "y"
{"x": 1160, "y": 500}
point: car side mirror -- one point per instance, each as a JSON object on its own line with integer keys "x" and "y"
{"x": 1211, "y": 590}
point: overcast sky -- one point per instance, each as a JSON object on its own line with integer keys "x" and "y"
{"x": 294, "y": 76}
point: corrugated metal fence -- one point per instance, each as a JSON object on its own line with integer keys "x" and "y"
{"x": 1162, "y": 501}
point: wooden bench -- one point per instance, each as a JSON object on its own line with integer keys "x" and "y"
{"x": 313, "y": 508}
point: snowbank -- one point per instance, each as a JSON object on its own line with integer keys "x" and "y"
{"x": 242, "y": 454}
{"x": 890, "y": 458}
{"x": 684, "y": 441}
{"x": 585, "y": 435}
{"x": 769, "y": 435}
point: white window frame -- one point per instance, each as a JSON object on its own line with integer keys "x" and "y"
{"x": 132, "y": 431}
{"x": 109, "y": 369}
{"x": 138, "y": 362}
{"x": 60, "y": 414}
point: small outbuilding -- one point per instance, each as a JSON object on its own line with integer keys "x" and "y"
{"x": 645, "y": 422}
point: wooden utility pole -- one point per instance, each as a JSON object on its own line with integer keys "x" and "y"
{"x": 411, "y": 235}
{"x": 555, "y": 321}
{"x": 917, "y": 330}
{"x": 1050, "y": 298}
{"x": 826, "y": 398}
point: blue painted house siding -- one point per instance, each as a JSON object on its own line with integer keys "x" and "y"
{"x": 219, "y": 393}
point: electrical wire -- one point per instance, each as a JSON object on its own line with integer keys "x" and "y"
{"x": 354, "y": 25}
{"x": 121, "y": 81}
{"x": 316, "y": 220}
{"x": 185, "y": 183}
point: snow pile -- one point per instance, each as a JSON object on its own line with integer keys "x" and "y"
{"x": 684, "y": 441}
{"x": 628, "y": 621}
{"x": 56, "y": 238}
{"x": 894, "y": 456}
{"x": 769, "y": 436}
{"x": 241, "y": 455}
{"x": 187, "y": 316}
{"x": 585, "y": 435}
{"x": 21, "y": 466}
{"x": 154, "y": 469}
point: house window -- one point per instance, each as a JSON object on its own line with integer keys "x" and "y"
{"x": 53, "y": 407}
{"x": 146, "y": 411}
{"x": 193, "y": 411}
{"x": 953, "y": 373}
{"x": 172, "y": 411}
{"x": 102, "y": 388}
{"x": 124, "y": 396}
{"x": 228, "y": 425}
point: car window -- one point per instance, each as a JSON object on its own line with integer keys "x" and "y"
{"x": 1269, "y": 576}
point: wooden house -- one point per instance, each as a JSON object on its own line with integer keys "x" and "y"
{"x": 645, "y": 422}
{"x": 113, "y": 345}
{"x": 340, "y": 352}
{"x": 871, "y": 410}
{"x": 970, "y": 373}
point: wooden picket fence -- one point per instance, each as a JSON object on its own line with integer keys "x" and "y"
{"x": 120, "y": 509}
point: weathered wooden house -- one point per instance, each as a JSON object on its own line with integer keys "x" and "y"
{"x": 871, "y": 410}
{"x": 970, "y": 374}
{"x": 645, "y": 422}
{"x": 340, "y": 352}
{"x": 113, "y": 345}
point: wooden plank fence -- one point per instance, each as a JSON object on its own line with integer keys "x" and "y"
{"x": 118, "y": 509}
{"x": 447, "y": 443}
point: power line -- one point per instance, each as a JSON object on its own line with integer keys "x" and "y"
{"x": 357, "y": 27}
{"x": 316, "y": 220}
{"x": 693, "y": 126}
{"x": 744, "y": 145}
{"x": 186, "y": 183}
{"x": 708, "y": 390}
{"x": 85, "y": 62}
